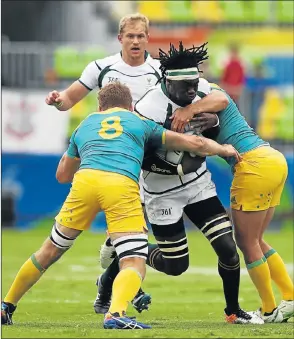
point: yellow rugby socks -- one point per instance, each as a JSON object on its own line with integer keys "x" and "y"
{"x": 125, "y": 287}
{"x": 260, "y": 275}
{"x": 27, "y": 276}
{"x": 279, "y": 274}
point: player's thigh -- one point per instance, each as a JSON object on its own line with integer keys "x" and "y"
{"x": 167, "y": 208}
{"x": 248, "y": 227}
{"x": 211, "y": 218}
{"x": 81, "y": 204}
{"x": 120, "y": 200}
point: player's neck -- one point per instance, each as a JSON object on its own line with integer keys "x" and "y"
{"x": 133, "y": 61}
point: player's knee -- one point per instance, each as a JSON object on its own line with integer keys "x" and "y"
{"x": 131, "y": 246}
{"x": 132, "y": 251}
{"x": 175, "y": 254}
{"x": 176, "y": 267}
{"x": 226, "y": 249}
{"x": 60, "y": 240}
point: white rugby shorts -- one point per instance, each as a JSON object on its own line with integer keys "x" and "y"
{"x": 167, "y": 208}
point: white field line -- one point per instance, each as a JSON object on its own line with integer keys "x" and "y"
{"x": 86, "y": 273}
{"x": 191, "y": 270}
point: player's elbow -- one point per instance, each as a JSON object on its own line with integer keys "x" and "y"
{"x": 62, "y": 177}
{"x": 223, "y": 100}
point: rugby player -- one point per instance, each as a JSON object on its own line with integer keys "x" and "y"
{"x": 255, "y": 192}
{"x": 134, "y": 67}
{"x": 186, "y": 186}
{"x": 113, "y": 136}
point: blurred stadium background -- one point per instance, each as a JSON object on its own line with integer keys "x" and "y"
{"x": 47, "y": 44}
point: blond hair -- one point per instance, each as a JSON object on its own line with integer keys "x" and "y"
{"x": 133, "y": 18}
{"x": 113, "y": 95}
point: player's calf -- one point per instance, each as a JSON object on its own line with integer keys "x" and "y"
{"x": 132, "y": 252}
{"x": 60, "y": 240}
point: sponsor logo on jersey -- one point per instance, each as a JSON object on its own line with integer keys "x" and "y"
{"x": 157, "y": 169}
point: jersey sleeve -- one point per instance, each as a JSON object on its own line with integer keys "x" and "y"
{"x": 156, "y": 135}
{"x": 72, "y": 150}
{"x": 153, "y": 105}
{"x": 89, "y": 77}
{"x": 215, "y": 86}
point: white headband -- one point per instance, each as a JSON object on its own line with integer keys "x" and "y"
{"x": 183, "y": 74}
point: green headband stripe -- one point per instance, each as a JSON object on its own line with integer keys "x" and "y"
{"x": 179, "y": 73}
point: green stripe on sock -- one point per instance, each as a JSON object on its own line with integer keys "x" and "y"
{"x": 269, "y": 253}
{"x": 255, "y": 264}
{"x": 263, "y": 259}
{"x": 38, "y": 266}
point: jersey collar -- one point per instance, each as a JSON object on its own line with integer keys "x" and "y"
{"x": 113, "y": 110}
{"x": 146, "y": 55}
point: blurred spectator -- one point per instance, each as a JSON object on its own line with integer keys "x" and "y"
{"x": 257, "y": 85}
{"x": 233, "y": 77}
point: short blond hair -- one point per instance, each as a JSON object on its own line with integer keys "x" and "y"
{"x": 133, "y": 18}
{"x": 115, "y": 94}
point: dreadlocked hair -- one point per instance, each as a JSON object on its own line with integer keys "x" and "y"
{"x": 182, "y": 58}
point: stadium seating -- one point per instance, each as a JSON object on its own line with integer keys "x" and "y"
{"x": 69, "y": 62}
{"x": 249, "y": 11}
{"x": 285, "y": 10}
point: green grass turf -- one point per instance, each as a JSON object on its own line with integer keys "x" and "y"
{"x": 188, "y": 306}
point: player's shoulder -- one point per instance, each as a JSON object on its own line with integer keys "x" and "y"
{"x": 154, "y": 96}
{"x": 108, "y": 61}
{"x": 153, "y": 104}
{"x": 154, "y": 63}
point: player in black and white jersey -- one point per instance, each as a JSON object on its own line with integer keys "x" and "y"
{"x": 134, "y": 67}
{"x": 177, "y": 183}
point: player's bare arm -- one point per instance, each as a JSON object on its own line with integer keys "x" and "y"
{"x": 214, "y": 102}
{"x": 66, "y": 99}
{"x": 199, "y": 145}
{"x": 67, "y": 168}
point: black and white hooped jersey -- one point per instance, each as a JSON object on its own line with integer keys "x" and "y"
{"x": 156, "y": 105}
{"x": 139, "y": 79}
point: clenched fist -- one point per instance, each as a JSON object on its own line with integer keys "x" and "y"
{"x": 53, "y": 98}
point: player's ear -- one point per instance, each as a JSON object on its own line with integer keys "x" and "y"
{"x": 119, "y": 38}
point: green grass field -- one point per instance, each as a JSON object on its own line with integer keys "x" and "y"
{"x": 188, "y": 306}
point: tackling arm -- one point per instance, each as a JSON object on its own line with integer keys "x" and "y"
{"x": 198, "y": 145}
{"x": 213, "y": 102}
{"x": 67, "y": 168}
